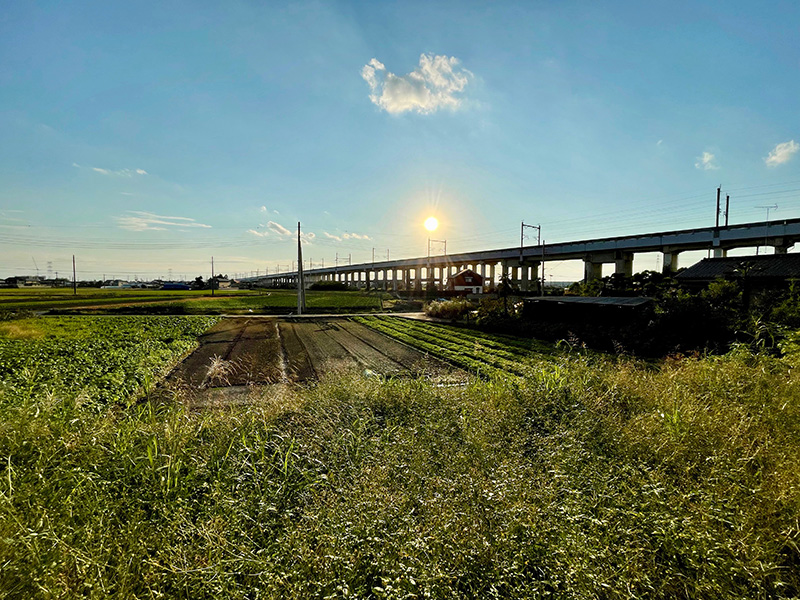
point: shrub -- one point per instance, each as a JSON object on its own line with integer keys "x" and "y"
{"x": 448, "y": 309}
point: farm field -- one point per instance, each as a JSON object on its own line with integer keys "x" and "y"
{"x": 265, "y": 351}
{"x": 140, "y": 301}
{"x": 482, "y": 354}
{"x": 581, "y": 476}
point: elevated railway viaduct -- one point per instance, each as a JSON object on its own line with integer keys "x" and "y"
{"x": 521, "y": 263}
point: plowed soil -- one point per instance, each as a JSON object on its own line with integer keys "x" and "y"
{"x": 240, "y": 352}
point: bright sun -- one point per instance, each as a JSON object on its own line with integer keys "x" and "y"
{"x": 431, "y": 223}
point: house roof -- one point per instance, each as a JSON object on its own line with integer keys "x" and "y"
{"x": 592, "y": 300}
{"x": 767, "y": 266}
{"x": 466, "y": 272}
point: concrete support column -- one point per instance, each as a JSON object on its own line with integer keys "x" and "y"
{"x": 623, "y": 264}
{"x": 523, "y": 284}
{"x": 592, "y": 270}
{"x": 670, "y": 261}
{"x": 720, "y": 252}
{"x": 781, "y": 249}
{"x": 534, "y": 281}
{"x": 492, "y": 268}
{"x": 368, "y": 273}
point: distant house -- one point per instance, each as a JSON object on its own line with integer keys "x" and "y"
{"x": 466, "y": 281}
{"x": 765, "y": 271}
{"x": 19, "y": 281}
{"x": 220, "y": 282}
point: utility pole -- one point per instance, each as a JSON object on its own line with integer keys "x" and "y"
{"x": 719, "y": 189}
{"x": 542, "y": 245}
{"x": 212, "y": 276}
{"x": 727, "y": 207}
{"x": 74, "y": 279}
{"x": 301, "y": 292}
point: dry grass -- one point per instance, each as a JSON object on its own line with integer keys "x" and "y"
{"x": 591, "y": 478}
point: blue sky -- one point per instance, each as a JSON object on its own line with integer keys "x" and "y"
{"x": 147, "y": 137}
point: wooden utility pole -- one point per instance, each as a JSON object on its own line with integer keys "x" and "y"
{"x": 301, "y": 291}
{"x": 212, "y": 276}
{"x": 74, "y": 279}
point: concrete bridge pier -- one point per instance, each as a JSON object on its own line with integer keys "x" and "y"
{"x": 670, "y": 261}
{"x": 530, "y": 276}
{"x": 781, "y": 246}
{"x": 623, "y": 264}
{"x": 592, "y": 270}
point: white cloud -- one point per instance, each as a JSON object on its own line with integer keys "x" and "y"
{"x": 258, "y": 233}
{"x": 355, "y": 236}
{"x": 263, "y": 209}
{"x": 110, "y": 173}
{"x": 331, "y": 236}
{"x": 6, "y": 215}
{"x": 706, "y": 162}
{"x": 431, "y": 86}
{"x": 144, "y": 221}
{"x": 278, "y": 228}
{"x": 781, "y": 153}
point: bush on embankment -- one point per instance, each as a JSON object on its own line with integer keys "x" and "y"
{"x": 451, "y": 310}
{"x": 591, "y": 478}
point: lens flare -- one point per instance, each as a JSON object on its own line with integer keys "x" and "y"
{"x": 431, "y": 223}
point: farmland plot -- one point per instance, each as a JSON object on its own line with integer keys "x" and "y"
{"x": 246, "y": 352}
{"x": 484, "y": 354}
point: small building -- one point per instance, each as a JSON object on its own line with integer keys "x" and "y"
{"x": 767, "y": 271}
{"x": 175, "y": 286}
{"x": 466, "y": 281}
{"x": 582, "y": 309}
{"x": 19, "y": 281}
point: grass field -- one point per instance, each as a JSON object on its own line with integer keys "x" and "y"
{"x": 589, "y": 477}
{"x": 138, "y": 301}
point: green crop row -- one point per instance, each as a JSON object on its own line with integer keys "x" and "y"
{"x": 439, "y": 341}
{"x": 97, "y": 359}
{"x": 449, "y": 354}
{"x": 502, "y": 346}
{"x": 500, "y": 341}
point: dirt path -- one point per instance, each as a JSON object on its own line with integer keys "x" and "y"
{"x": 241, "y": 353}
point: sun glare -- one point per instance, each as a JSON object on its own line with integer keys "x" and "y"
{"x": 431, "y": 223}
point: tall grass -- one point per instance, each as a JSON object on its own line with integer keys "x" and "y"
{"x": 590, "y": 479}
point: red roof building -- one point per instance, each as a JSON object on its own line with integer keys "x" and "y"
{"x": 466, "y": 281}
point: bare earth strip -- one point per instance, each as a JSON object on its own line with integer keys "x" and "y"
{"x": 241, "y": 353}
{"x": 257, "y": 355}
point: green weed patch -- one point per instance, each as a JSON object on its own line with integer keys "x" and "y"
{"x": 590, "y": 478}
